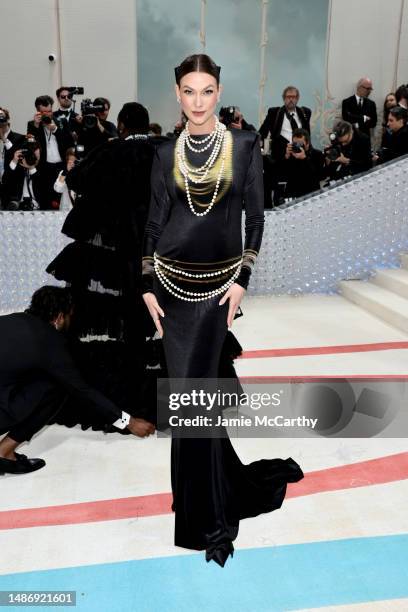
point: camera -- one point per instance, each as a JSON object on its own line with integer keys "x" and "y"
{"x": 75, "y": 91}
{"x": 333, "y": 151}
{"x": 297, "y": 147}
{"x": 26, "y": 204}
{"x": 28, "y": 149}
{"x": 3, "y": 118}
{"x": 227, "y": 115}
{"x": 88, "y": 110}
{"x": 46, "y": 120}
{"x": 382, "y": 153}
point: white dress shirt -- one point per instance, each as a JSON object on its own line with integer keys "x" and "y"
{"x": 286, "y": 130}
{"x": 122, "y": 422}
{"x": 5, "y": 145}
{"x": 53, "y": 156}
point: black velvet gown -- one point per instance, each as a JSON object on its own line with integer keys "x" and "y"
{"x": 212, "y": 489}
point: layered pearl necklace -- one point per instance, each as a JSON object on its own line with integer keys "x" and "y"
{"x": 199, "y": 175}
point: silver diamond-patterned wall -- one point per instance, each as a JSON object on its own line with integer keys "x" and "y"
{"x": 346, "y": 232}
{"x": 343, "y": 233}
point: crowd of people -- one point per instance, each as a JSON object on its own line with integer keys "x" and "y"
{"x": 33, "y": 167}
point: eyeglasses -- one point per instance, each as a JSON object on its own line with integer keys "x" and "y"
{"x": 64, "y": 97}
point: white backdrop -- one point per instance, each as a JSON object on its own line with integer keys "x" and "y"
{"x": 95, "y": 45}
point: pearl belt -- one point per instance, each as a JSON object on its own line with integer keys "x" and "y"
{"x": 162, "y": 271}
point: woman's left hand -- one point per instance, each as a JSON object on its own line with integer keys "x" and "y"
{"x": 234, "y": 294}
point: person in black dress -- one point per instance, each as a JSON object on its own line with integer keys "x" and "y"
{"x": 195, "y": 276}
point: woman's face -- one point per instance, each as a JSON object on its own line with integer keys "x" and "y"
{"x": 199, "y": 94}
{"x": 391, "y": 101}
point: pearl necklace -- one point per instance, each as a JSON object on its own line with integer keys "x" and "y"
{"x": 198, "y": 175}
{"x": 208, "y": 139}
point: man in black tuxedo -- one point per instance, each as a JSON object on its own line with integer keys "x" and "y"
{"x": 101, "y": 131}
{"x": 37, "y": 374}
{"x": 350, "y": 152}
{"x": 54, "y": 138}
{"x": 23, "y": 184}
{"x": 395, "y": 139}
{"x": 8, "y": 139}
{"x": 281, "y": 122}
{"x": 303, "y": 167}
{"x": 359, "y": 110}
{"x": 65, "y": 114}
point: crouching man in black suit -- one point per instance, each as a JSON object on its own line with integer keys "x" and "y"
{"x": 37, "y": 374}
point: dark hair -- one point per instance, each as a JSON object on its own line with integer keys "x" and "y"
{"x": 290, "y": 88}
{"x": 156, "y": 129}
{"x": 301, "y": 133}
{"x": 385, "y": 109}
{"x": 57, "y": 93}
{"x": 342, "y": 128}
{"x": 5, "y": 112}
{"x": 402, "y": 92}
{"x": 134, "y": 117}
{"x": 103, "y": 101}
{"x": 43, "y": 101}
{"x": 399, "y": 113}
{"x": 48, "y": 302}
{"x": 197, "y": 63}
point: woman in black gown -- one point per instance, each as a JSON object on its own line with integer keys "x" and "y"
{"x": 195, "y": 275}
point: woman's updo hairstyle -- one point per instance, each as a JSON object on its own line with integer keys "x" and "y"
{"x": 197, "y": 63}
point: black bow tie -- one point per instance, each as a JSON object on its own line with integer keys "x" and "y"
{"x": 65, "y": 113}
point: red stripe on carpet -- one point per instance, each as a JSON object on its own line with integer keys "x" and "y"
{"x": 364, "y": 473}
{"x": 323, "y": 379}
{"x": 324, "y": 350}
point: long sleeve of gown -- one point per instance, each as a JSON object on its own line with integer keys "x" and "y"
{"x": 254, "y": 214}
{"x": 158, "y": 213}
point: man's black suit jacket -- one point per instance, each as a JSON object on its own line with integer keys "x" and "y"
{"x": 351, "y": 112}
{"x": 67, "y": 120}
{"x": 13, "y": 183}
{"x": 33, "y": 358}
{"x": 15, "y": 138}
{"x": 62, "y": 134}
{"x": 273, "y": 125}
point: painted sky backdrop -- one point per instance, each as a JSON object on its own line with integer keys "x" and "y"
{"x": 169, "y": 31}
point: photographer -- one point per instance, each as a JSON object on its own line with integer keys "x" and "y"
{"x": 95, "y": 129}
{"x": 8, "y": 140}
{"x": 65, "y": 114}
{"x": 349, "y": 152}
{"x": 232, "y": 117}
{"x": 303, "y": 167}
{"x": 53, "y": 137}
{"x": 395, "y": 139}
{"x": 23, "y": 183}
{"x": 60, "y": 186}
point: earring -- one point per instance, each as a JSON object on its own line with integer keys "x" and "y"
{"x": 179, "y": 100}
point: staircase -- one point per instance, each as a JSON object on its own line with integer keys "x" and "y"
{"x": 385, "y": 295}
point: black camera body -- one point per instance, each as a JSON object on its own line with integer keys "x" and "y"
{"x": 297, "y": 147}
{"x": 227, "y": 115}
{"x": 79, "y": 91}
{"x": 333, "y": 151}
{"x": 46, "y": 120}
{"x": 88, "y": 110}
{"x": 3, "y": 119}
{"x": 28, "y": 149}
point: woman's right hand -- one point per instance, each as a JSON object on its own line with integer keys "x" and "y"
{"x": 155, "y": 311}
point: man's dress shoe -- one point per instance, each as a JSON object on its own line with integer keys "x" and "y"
{"x": 22, "y": 465}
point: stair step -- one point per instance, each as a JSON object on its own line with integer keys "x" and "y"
{"x": 380, "y": 302}
{"x": 393, "y": 280}
{"x": 404, "y": 260}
